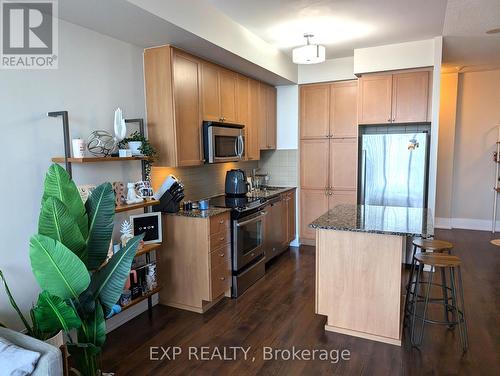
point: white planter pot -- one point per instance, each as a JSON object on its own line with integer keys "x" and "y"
{"x": 134, "y": 146}
{"x": 57, "y": 340}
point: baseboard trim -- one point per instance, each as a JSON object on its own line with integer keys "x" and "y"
{"x": 464, "y": 223}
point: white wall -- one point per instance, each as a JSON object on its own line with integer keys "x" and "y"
{"x": 394, "y": 56}
{"x": 287, "y": 116}
{"x": 96, "y": 74}
{"x": 330, "y": 70}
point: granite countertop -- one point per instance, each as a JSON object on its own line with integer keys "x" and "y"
{"x": 391, "y": 220}
{"x": 196, "y": 213}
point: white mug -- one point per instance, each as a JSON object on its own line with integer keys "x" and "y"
{"x": 78, "y": 148}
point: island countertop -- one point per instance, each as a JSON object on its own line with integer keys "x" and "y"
{"x": 390, "y": 220}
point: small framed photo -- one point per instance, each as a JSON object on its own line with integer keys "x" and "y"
{"x": 149, "y": 223}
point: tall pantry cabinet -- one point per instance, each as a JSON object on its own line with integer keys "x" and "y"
{"x": 328, "y": 149}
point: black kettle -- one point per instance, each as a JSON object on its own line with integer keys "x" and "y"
{"x": 236, "y": 183}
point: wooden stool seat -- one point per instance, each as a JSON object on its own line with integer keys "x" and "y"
{"x": 432, "y": 244}
{"x": 439, "y": 260}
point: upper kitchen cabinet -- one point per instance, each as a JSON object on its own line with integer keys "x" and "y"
{"x": 252, "y": 140}
{"x": 173, "y": 103}
{"x": 328, "y": 110}
{"x": 267, "y": 117}
{"x": 343, "y": 109}
{"x": 410, "y": 97}
{"x": 394, "y": 98}
{"x": 375, "y": 99}
{"x": 218, "y": 88}
{"x": 315, "y": 111}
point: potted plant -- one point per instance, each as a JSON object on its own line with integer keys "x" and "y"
{"x": 69, "y": 261}
{"x": 145, "y": 149}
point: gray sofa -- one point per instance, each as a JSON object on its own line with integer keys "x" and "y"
{"x": 50, "y": 362}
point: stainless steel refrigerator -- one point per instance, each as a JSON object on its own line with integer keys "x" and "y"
{"x": 393, "y": 166}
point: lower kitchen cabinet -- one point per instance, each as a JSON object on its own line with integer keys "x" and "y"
{"x": 339, "y": 197}
{"x": 288, "y": 217}
{"x": 314, "y": 203}
{"x": 195, "y": 267}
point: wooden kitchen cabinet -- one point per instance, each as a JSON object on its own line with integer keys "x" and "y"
{"x": 315, "y": 111}
{"x": 183, "y": 90}
{"x": 267, "y": 117}
{"x": 410, "y": 97}
{"x": 328, "y": 147}
{"x": 288, "y": 217}
{"x": 314, "y": 157}
{"x": 343, "y": 163}
{"x": 172, "y": 80}
{"x": 375, "y": 99}
{"x": 195, "y": 262}
{"x": 218, "y": 92}
{"x": 343, "y": 109}
{"x": 254, "y": 118}
{"x": 314, "y": 203}
{"x": 394, "y": 98}
{"x": 339, "y": 197}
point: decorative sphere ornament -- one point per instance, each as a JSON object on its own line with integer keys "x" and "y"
{"x": 101, "y": 143}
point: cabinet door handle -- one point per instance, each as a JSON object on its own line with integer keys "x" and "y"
{"x": 389, "y": 120}
{"x": 221, "y": 255}
{"x": 221, "y": 221}
{"x": 222, "y": 238}
{"x": 222, "y": 278}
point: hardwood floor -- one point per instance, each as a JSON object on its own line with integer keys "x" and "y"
{"x": 278, "y": 312}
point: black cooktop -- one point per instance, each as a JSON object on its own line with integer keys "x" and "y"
{"x": 241, "y": 203}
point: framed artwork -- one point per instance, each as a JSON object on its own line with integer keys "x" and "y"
{"x": 149, "y": 223}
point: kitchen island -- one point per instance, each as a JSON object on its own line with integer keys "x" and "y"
{"x": 359, "y": 266}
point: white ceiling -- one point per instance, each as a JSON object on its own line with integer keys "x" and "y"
{"x": 465, "y": 40}
{"x": 341, "y": 25}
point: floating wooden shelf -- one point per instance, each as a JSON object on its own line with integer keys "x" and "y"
{"x": 98, "y": 159}
{"x": 138, "y": 300}
{"x": 146, "y": 248}
{"x": 139, "y": 205}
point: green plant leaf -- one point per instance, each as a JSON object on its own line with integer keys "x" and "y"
{"x": 85, "y": 357}
{"x": 107, "y": 284}
{"x": 57, "y": 269}
{"x": 57, "y": 223}
{"x": 59, "y": 184}
{"x": 14, "y": 305}
{"x": 95, "y": 328}
{"x": 53, "y": 314}
{"x": 101, "y": 209}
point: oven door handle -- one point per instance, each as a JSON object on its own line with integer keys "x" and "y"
{"x": 261, "y": 214}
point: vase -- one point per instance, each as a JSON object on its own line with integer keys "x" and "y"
{"x": 135, "y": 146}
{"x": 56, "y": 340}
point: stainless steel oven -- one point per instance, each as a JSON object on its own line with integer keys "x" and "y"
{"x": 248, "y": 237}
{"x": 223, "y": 142}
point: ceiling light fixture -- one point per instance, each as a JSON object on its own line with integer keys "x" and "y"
{"x": 494, "y": 31}
{"x": 310, "y": 53}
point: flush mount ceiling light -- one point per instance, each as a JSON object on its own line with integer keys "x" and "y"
{"x": 310, "y": 53}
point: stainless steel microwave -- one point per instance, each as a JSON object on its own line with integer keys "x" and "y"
{"x": 223, "y": 142}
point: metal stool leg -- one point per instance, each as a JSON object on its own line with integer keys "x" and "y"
{"x": 414, "y": 303}
{"x": 410, "y": 280}
{"x": 456, "y": 312}
{"x": 426, "y": 303}
{"x": 462, "y": 304}
{"x": 445, "y": 294}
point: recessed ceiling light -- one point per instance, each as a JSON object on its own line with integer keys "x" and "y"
{"x": 494, "y": 31}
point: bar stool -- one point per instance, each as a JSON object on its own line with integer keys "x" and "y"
{"x": 457, "y": 307}
{"x": 434, "y": 245}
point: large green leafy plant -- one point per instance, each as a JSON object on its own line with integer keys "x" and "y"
{"x": 69, "y": 260}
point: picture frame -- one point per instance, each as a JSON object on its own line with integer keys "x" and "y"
{"x": 149, "y": 223}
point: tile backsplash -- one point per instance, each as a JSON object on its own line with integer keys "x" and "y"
{"x": 281, "y": 165}
{"x": 201, "y": 181}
